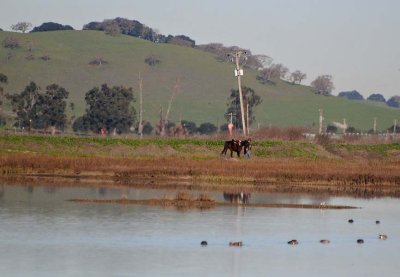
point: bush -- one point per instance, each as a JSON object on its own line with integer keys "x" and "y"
{"x": 11, "y": 42}
{"x": 207, "y": 128}
{"x": 190, "y": 126}
{"x": 376, "y": 97}
{"x": 98, "y": 61}
{"x": 351, "y": 95}
{"x": 51, "y": 26}
{"x": 152, "y": 60}
{"x": 394, "y": 102}
{"x": 147, "y": 128}
{"x": 331, "y": 129}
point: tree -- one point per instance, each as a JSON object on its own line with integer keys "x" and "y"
{"x": 249, "y": 97}
{"x": 38, "y": 110}
{"x": 207, "y": 128}
{"x": 51, "y": 26}
{"x": 180, "y": 40}
{"x": 323, "y": 85}
{"x": 147, "y": 128}
{"x": 111, "y": 28}
{"x": 21, "y": 26}
{"x": 394, "y": 101}
{"x": 24, "y": 105}
{"x": 297, "y": 76}
{"x": 376, "y": 97}
{"x": 351, "y": 95}
{"x": 51, "y": 108}
{"x": 190, "y": 126}
{"x": 271, "y": 73}
{"x": 110, "y": 108}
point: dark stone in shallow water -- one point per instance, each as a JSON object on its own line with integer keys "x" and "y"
{"x": 204, "y": 243}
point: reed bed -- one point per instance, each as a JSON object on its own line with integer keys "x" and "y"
{"x": 361, "y": 178}
{"x": 365, "y": 170}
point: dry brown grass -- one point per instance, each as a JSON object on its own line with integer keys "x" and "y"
{"x": 359, "y": 178}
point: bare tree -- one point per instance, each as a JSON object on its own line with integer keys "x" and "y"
{"x": 21, "y": 26}
{"x": 297, "y": 76}
{"x": 273, "y": 72}
{"x": 323, "y": 85}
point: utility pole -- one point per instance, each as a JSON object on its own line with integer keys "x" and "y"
{"x": 140, "y": 128}
{"x": 374, "y": 125}
{"x": 247, "y": 117}
{"x": 321, "y": 120}
{"x": 394, "y": 126}
{"x": 238, "y": 74}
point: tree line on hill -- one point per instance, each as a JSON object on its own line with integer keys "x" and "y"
{"x": 393, "y": 101}
{"x": 109, "y": 110}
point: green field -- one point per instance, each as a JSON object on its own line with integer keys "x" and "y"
{"x": 206, "y": 83}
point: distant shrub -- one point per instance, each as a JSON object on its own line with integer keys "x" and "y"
{"x": 351, "y": 95}
{"x": 147, "y": 128}
{"x": 181, "y": 40}
{"x": 3, "y": 78}
{"x": 30, "y": 57}
{"x": 45, "y": 57}
{"x": 376, "y": 97}
{"x": 190, "y": 127}
{"x": 98, "y": 61}
{"x": 394, "y": 101}
{"x": 152, "y": 60}
{"x": 207, "y": 128}
{"x": 10, "y": 42}
{"x": 51, "y": 26}
{"x": 352, "y": 130}
{"x": 331, "y": 129}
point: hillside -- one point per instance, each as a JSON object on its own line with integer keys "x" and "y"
{"x": 205, "y": 82}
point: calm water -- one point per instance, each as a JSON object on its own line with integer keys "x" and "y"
{"x": 41, "y": 234}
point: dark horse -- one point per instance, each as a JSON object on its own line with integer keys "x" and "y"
{"x": 236, "y": 146}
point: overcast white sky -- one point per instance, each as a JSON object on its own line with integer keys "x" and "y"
{"x": 355, "y": 41}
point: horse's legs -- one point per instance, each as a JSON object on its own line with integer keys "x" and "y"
{"x": 224, "y": 151}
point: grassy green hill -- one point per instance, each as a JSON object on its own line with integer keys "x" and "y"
{"x": 205, "y": 82}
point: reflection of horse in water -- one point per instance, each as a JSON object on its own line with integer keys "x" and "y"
{"x": 237, "y": 198}
{"x": 236, "y": 146}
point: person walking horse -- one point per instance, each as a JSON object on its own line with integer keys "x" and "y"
{"x": 236, "y": 146}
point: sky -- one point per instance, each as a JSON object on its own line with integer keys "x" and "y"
{"x": 355, "y": 41}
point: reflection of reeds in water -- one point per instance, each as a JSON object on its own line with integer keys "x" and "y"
{"x": 182, "y": 201}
